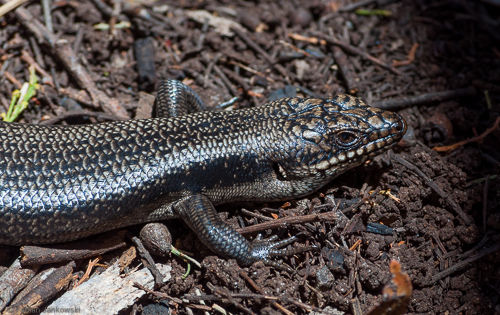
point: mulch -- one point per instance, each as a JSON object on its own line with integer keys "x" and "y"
{"x": 431, "y": 204}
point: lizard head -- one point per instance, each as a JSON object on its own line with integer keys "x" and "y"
{"x": 329, "y": 136}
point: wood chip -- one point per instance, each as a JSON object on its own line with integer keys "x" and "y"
{"x": 222, "y": 25}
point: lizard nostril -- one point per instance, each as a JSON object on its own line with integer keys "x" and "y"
{"x": 400, "y": 125}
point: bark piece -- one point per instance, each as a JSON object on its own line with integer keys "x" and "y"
{"x": 81, "y": 249}
{"x": 40, "y": 295}
{"x": 14, "y": 280}
{"x": 108, "y": 292}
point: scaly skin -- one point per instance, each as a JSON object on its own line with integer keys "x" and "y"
{"x": 60, "y": 183}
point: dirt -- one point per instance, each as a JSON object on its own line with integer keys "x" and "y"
{"x": 458, "y": 47}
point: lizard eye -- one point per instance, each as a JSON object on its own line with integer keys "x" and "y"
{"x": 346, "y": 138}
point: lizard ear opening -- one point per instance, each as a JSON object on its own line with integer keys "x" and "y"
{"x": 282, "y": 174}
{"x": 279, "y": 171}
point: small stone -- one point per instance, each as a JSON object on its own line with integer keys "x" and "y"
{"x": 156, "y": 308}
{"x": 334, "y": 259}
{"x": 372, "y": 251}
{"x": 324, "y": 278}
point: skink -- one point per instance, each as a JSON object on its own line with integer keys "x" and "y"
{"x": 60, "y": 183}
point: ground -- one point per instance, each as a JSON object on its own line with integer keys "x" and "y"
{"x": 432, "y": 208}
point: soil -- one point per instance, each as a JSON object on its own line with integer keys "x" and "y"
{"x": 401, "y": 206}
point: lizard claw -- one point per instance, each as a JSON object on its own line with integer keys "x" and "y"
{"x": 263, "y": 250}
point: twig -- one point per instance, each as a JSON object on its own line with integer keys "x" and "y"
{"x": 259, "y": 289}
{"x": 162, "y": 295}
{"x": 233, "y": 76}
{"x": 224, "y": 292}
{"x": 355, "y": 50}
{"x": 209, "y": 68}
{"x": 107, "y": 11}
{"x": 346, "y": 69}
{"x": 357, "y": 204}
{"x": 434, "y": 187}
{"x": 47, "y": 15}
{"x": 226, "y": 81}
{"x": 247, "y": 68}
{"x": 462, "y": 264}
{"x": 356, "y": 306}
{"x": 485, "y": 202}
{"x": 454, "y": 146}
{"x": 284, "y": 222}
{"x": 10, "y": 5}
{"x": 13, "y": 79}
{"x": 310, "y": 40}
{"x": 256, "y": 215}
{"x": 198, "y": 77}
{"x": 261, "y": 51}
{"x": 33, "y": 255}
{"x": 158, "y": 294}
{"x": 148, "y": 261}
{"x": 38, "y": 53}
{"x": 403, "y": 102}
{"x": 213, "y": 297}
{"x": 70, "y": 62}
{"x": 409, "y": 59}
{"x": 295, "y": 48}
{"x": 86, "y": 275}
{"x": 25, "y": 56}
{"x": 487, "y": 238}
{"x": 353, "y": 6}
